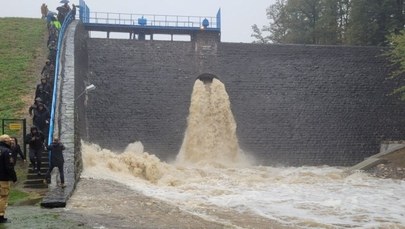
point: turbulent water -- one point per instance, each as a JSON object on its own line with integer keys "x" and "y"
{"x": 211, "y": 172}
{"x": 210, "y": 137}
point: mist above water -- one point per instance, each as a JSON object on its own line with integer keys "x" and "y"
{"x": 302, "y": 197}
{"x": 209, "y": 174}
{"x": 210, "y": 140}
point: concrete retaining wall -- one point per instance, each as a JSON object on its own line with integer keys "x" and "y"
{"x": 67, "y": 115}
{"x": 294, "y": 104}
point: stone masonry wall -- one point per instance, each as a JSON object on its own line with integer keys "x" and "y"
{"x": 66, "y": 116}
{"x": 293, "y": 104}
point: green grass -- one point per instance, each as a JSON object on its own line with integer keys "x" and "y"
{"x": 21, "y": 41}
{"x": 16, "y": 196}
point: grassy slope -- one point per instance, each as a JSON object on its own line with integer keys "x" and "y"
{"x": 21, "y": 41}
{"x": 22, "y": 51}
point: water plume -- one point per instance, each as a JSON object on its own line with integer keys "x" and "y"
{"x": 210, "y": 137}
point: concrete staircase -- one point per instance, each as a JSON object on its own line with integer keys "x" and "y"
{"x": 33, "y": 180}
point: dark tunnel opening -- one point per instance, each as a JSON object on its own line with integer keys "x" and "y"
{"x": 207, "y": 77}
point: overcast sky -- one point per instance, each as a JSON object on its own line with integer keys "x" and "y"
{"x": 237, "y": 15}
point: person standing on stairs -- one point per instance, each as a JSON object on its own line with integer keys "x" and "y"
{"x": 57, "y": 160}
{"x": 35, "y": 139}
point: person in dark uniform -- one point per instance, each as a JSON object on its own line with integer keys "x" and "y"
{"x": 53, "y": 49}
{"x": 63, "y": 11}
{"x": 34, "y": 107}
{"x": 73, "y": 11}
{"x": 41, "y": 119}
{"x": 35, "y": 139}
{"x": 46, "y": 69}
{"x": 7, "y": 174}
{"x": 44, "y": 91}
{"x": 56, "y": 149}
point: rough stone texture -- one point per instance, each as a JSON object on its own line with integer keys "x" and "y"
{"x": 388, "y": 171}
{"x": 81, "y": 72}
{"x": 294, "y": 104}
{"x": 57, "y": 196}
{"x": 394, "y": 164}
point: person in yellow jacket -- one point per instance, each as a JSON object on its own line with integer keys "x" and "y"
{"x": 55, "y": 23}
{"x": 7, "y": 173}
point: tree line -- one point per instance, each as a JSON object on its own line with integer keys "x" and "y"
{"x": 332, "y": 22}
{"x": 340, "y": 22}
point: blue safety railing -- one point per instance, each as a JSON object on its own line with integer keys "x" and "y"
{"x": 84, "y": 13}
{"x": 68, "y": 19}
{"x": 151, "y": 20}
{"x": 219, "y": 19}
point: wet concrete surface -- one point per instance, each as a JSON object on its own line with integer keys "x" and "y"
{"x": 113, "y": 205}
{"x": 36, "y": 217}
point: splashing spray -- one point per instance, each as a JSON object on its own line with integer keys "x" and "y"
{"x": 210, "y": 137}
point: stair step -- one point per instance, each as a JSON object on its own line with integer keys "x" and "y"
{"x": 36, "y": 181}
{"x": 43, "y": 170}
{"x": 33, "y": 180}
{"x": 36, "y": 186}
{"x": 34, "y": 176}
{"x": 44, "y": 158}
{"x": 45, "y": 162}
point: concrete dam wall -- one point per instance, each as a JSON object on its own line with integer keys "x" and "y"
{"x": 293, "y": 104}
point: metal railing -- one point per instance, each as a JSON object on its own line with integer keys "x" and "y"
{"x": 84, "y": 11}
{"x": 66, "y": 22}
{"x": 151, "y": 20}
{"x": 147, "y": 19}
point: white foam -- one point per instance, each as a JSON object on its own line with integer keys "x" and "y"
{"x": 301, "y": 195}
{"x": 211, "y": 171}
